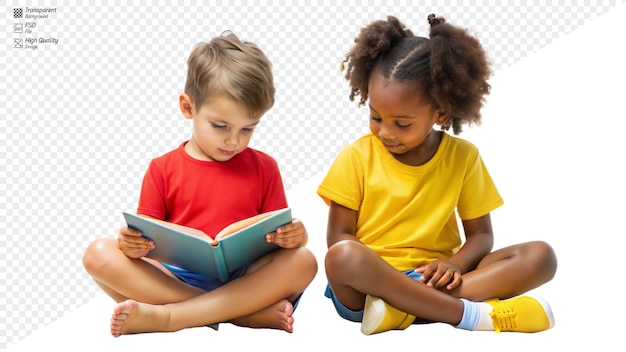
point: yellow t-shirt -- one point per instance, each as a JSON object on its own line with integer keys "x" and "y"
{"x": 407, "y": 213}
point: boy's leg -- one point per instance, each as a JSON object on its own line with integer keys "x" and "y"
{"x": 279, "y": 314}
{"x": 284, "y": 273}
{"x": 122, "y": 277}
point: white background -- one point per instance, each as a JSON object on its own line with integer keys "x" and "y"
{"x": 80, "y": 120}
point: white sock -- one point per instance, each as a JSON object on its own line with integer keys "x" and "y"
{"x": 485, "y": 323}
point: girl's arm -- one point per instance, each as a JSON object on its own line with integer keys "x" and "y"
{"x": 478, "y": 243}
{"x": 341, "y": 224}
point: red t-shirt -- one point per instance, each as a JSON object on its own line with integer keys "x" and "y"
{"x": 210, "y": 195}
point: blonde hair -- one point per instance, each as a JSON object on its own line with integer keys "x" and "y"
{"x": 228, "y": 66}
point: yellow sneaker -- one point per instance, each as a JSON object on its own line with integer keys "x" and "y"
{"x": 521, "y": 314}
{"x": 379, "y": 316}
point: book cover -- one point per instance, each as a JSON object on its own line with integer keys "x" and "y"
{"x": 197, "y": 254}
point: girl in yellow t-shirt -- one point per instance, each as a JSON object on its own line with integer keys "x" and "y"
{"x": 395, "y": 254}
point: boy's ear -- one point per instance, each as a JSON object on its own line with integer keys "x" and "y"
{"x": 186, "y": 105}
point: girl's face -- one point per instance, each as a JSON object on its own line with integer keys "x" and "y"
{"x": 222, "y": 128}
{"x": 403, "y": 119}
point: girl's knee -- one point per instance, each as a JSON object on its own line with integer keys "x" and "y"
{"x": 544, "y": 257}
{"x": 343, "y": 255}
{"x": 550, "y": 255}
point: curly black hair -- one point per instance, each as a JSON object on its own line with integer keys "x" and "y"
{"x": 451, "y": 67}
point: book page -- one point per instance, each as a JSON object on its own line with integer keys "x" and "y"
{"x": 241, "y": 224}
{"x": 185, "y": 229}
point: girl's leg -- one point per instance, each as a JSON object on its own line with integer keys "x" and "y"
{"x": 509, "y": 272}
{"x": 122, "y": 277}
{"x": 284, "y": 273}
{"x": 354, "y": 270}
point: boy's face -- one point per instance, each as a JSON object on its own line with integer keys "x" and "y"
{"x": 222, "y": 128}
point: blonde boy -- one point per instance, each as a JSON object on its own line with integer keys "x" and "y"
{"x": 208, "y": 182}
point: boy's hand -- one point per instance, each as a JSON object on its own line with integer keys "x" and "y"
{"x": 440, "y": 273}
{"x": 289, "y": 236}
{"x": 132, "y": 244}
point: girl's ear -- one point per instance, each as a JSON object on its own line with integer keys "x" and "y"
{"x": 186, "y": 105}
{"x": 442, "y": 117}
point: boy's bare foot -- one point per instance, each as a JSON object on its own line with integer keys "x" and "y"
{"x": 131, "y": 317}
{"x": 277, "y": 316}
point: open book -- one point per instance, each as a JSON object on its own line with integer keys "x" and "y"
{"x": 191, "y": 249}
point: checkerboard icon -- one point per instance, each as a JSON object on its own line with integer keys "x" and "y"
{"x": 18, "y": 13}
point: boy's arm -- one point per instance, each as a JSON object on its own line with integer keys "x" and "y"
{"x": 291, "y": 235}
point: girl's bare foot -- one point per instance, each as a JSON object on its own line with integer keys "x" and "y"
{"x": 131, "y": 317}
{"x": 277, "y": 316}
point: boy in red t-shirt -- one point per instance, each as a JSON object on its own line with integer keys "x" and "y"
{"x": 207, "y": 183}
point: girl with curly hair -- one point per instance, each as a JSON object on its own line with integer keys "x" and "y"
{"x": 395, "y": 252}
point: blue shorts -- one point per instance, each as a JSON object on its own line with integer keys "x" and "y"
{"x": 352, "y": 315}
{"x": 203, "y": 282}
{"x": 208, "y": 283}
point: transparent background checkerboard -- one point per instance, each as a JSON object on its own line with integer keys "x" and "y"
{"x": 80, "y": 120}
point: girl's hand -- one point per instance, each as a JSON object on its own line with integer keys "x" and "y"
{"x": 440, "y": 273}
{"x": 132, "y": 244}
{"x": 289, "y": 236}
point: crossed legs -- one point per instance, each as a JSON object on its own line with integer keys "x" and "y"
{"x": 353, "y": 270}
{"x": 151, "y": 299}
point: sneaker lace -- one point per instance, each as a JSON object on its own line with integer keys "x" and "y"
{"x": 503, "y": 318}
